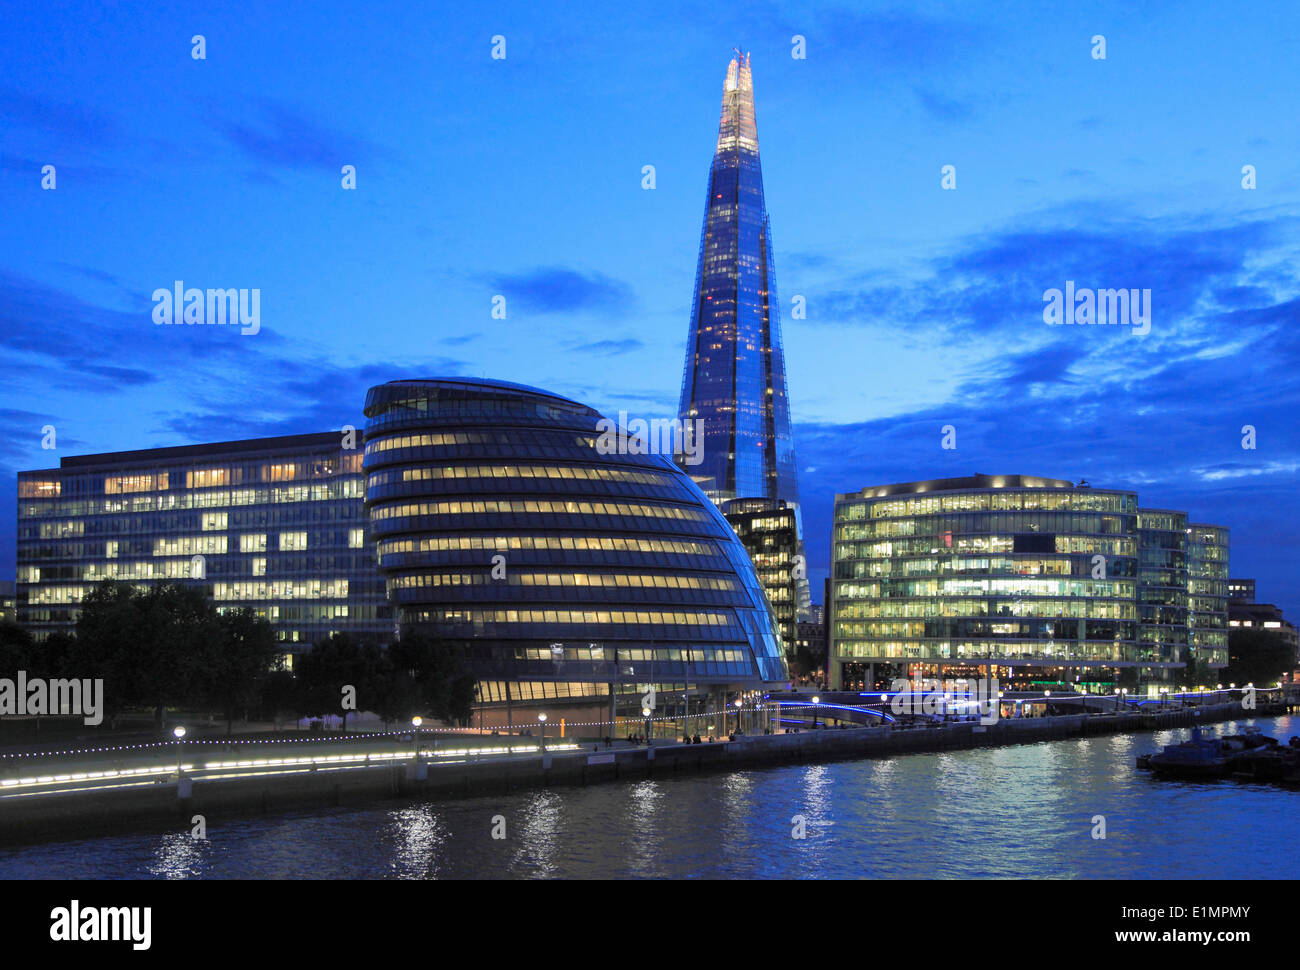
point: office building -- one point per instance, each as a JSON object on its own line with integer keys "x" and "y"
{"x": 1207, "y": 588}
{"x": 274, "y": 524}
{"x": 770, "y": 534}
{"x": 1162, "y": 585}
{"x": 1036, "y": 581}
{"x": 1241, "y": 590}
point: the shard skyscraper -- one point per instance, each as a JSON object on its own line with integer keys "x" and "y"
{"x": 734, "y": 378}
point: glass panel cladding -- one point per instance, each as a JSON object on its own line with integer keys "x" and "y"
{"x": 769, "y": 531}
{"x": 1207, "y": 590}
{"x": 213, "y": 515}
{"x": 502, "y": 528}
{"x": 1162, "y": 585}
{"x": 733, "y": 381}
{"x": 1030, "y": 574}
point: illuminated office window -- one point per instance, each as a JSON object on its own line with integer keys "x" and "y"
{"x": 293, "y": 541}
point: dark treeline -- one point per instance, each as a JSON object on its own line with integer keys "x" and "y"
{"x": 1257, "y": 656}
{"x": 168, "y": 647}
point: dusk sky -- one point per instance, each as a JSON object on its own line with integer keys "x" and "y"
{"x": 523, "y": 177}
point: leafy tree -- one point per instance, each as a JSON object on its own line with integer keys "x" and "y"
{"x": 245, "y": 655}
{"x": 337, "y": 662}
{"x": 56, "y": 657}
{"x": 181, "y": 638}
{"x": 151, "y": 647}
{"x": 279, "y": 695}
{"x": 398, "y": 698}
{"x": 1258, "y": 657}
{"x": 16, "y": 650}
{"x": 1195, "y": 673}
{"x": 105, "y": 641}
{"x": 444, "y": 687}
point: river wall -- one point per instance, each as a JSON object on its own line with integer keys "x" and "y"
{"x": 157, "y": 806}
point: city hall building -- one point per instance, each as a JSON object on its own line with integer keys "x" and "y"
{"x": 562, "y": 563}
{"x": 1035, "y": 581}
{"x": 274, "y": 524}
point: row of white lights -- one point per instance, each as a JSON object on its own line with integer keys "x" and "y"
{"x": 416, "y": 722}
{"x": 336, "y": 759}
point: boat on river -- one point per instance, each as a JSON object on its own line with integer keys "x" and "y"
{"x": 1250, "y": 754}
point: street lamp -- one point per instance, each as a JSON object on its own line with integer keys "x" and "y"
{"x": 179, "y": 732}
{"x": 739, "y": 703}
{"x": 415, "y": 735}
{"x": 816, "y": 701}
{"x": 645, "y": 713}
{"x": 541, "y": 720}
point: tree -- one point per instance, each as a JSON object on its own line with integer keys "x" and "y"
{"x": 333, "y": 665}
{"x": 105, "y": 642}
{"x": 16, "y": 650}
{"x": 279, "y": 694}
{"x": 233, "y": 676}
{"x": 150, "y": 646}
{"x": 444, "y": 687}
{"x": 56, "y": 657}
{"x": 398, "y": 697}
{"x": 1257, "y": 657}
{"x": 1194, "y": 673}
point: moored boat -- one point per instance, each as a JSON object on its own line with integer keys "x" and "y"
{"x": 1249, "y": 754}
{"x": 1197, "y": 758}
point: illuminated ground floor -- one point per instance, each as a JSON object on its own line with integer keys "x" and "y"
{"x": 596, "y": 710}
{"x": 1081, "y": 678}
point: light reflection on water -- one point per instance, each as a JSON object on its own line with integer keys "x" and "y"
{"x": 1023, "y": 811}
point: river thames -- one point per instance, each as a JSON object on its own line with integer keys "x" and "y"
{"x": 1024, "y": 811}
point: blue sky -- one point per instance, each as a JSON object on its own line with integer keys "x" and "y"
{"x": 522, "y": 177}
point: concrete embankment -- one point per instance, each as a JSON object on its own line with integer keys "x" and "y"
{"x": 157, "y": 807}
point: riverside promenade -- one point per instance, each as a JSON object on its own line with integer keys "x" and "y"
{"x": 145, "y": 793}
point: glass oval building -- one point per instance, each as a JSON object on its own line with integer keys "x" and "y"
{"x": 563, "y": 561}
{"x": 1032, "y": 579}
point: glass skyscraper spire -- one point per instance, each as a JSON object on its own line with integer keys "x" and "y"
{"x": 734, "y": 379}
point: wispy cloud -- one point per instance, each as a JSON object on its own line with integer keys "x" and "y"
{"x": 608, "y": 348}
{"x": 78, "y": 125}
{"x": 277, "y": 134}
{"x": 558, "y": 289}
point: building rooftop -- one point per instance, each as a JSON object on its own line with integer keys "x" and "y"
{"x": 966, "y": 484}
{"x": 154, "y": 455}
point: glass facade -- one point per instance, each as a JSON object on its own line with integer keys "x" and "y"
{"x": 962, "y": 571}
{"x": 769, "y": 532}
{"x": 1162, "y": 585}
{"x": 503, "y": 528}
{"x": 1013, "y": 572}
{"x": 1207, "y": 589}
{"x": 274, "y": 524}
{"x": 734, "y": 376}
